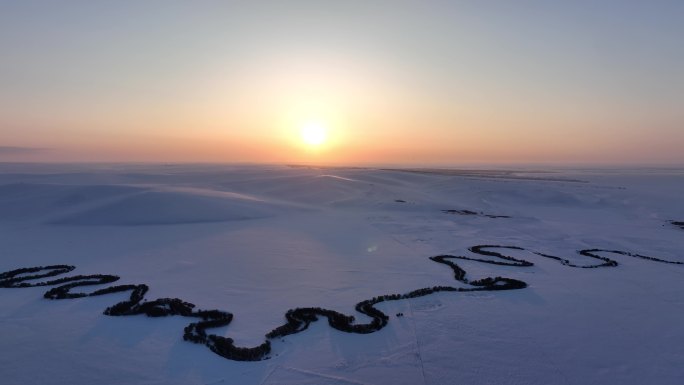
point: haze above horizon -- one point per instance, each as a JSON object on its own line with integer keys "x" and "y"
{"x": 386, "y": 82}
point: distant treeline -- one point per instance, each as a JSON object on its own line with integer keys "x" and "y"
{"x": 296, "y": 320}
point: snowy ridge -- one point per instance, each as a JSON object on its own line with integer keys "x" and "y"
{"x": 125, "y": 205}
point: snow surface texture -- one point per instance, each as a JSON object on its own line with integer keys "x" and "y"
{"x": 258, "y": 241}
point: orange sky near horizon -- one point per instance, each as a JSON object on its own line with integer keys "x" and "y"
{"x": 392, "y": 83}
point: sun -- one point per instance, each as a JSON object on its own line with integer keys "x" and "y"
{"x": 313, "y": 134}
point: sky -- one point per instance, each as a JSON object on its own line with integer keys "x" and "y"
{"x": 384, "y": 82}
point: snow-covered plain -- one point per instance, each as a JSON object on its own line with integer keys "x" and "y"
{"x": 259, "y": 240}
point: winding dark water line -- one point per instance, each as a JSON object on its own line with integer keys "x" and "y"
{"x": 298, "y": 319}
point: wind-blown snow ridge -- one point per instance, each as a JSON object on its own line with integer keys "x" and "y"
{"x": 131, "y": 204}
{"x": 298, "y": 319}
{"x": 170, "y": 207}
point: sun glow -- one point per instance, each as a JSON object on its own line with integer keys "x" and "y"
{"x": 313, "y": 134}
